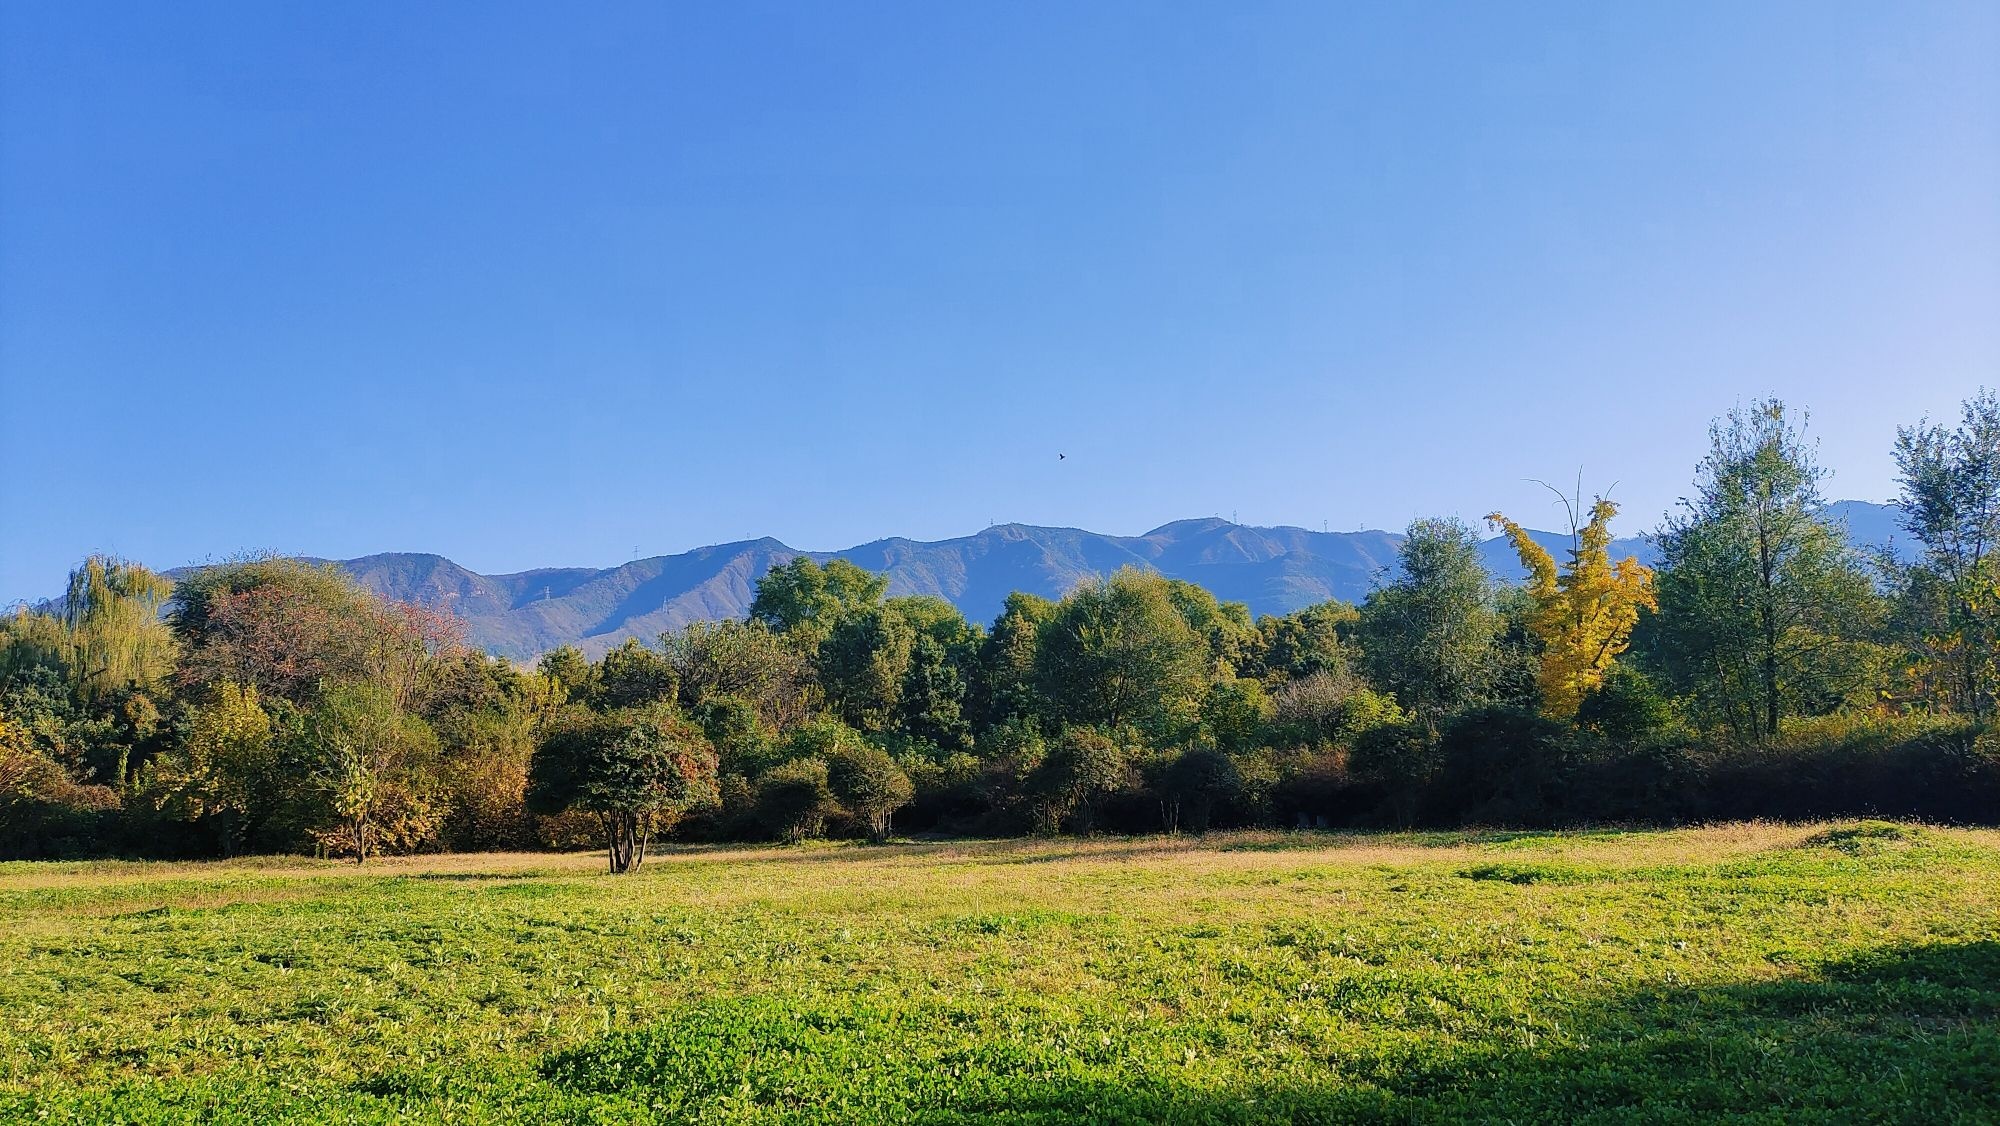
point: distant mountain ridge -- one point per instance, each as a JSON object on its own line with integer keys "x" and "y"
{"x": 1273, "y": 570}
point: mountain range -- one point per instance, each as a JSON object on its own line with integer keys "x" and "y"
{"x": 1273, "y": 570}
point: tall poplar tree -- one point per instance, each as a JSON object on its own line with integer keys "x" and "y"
{"x": 1428, "y": 636}
{"x": 1951, "y": 502}
{"x": 1764, "y": 607}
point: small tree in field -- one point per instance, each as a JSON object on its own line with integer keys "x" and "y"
{"x": 638, "y": 770}
{"x": 374, "y": 767}
{"x": 1082, "y": 766}
{"x": 794, "y": 799}
{"x": 869, "y": 786}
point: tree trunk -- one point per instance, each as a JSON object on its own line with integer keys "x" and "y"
{"x": 1770, "y": 681}
{"x": 1968, "y": 659}
{"x": 1768, "y": 618}
{"x": 621, "y": 840}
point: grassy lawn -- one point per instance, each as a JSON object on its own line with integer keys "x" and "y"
{"x": 1767, "y": 972}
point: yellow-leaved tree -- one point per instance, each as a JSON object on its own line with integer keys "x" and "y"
{"x": 1584, "y": 614}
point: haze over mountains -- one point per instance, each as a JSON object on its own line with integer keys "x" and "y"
{"x": 1273, "y": 570}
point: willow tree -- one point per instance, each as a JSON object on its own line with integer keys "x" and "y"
{"x": 30, "y": 640}
{"x": 114, "y": 635}
{"x": 1584, "y": 613}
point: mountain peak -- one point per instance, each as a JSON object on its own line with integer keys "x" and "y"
{"x": 1193, "y": 526}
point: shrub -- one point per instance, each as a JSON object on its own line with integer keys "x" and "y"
{"x": 794, "y": 800}
{"x": 485, "y": 774}
{"x": 1314, "y": 789}
{"x": 946, "y": 790}
{"x": 1858, "y": 766}
{"x": 1329, "y": 707}
{"x": 1082, "y": 766}
{"x": 1397, "y": 761}
{"x": 869, "y": 786}
{"x": 486, "y": 799}
{"x": 1194, "y": 784}
{"x": 569, "y": 831}
{"x": 43, "y": 812}
{"x": 1658, "y": 780}
{"x": 1503, "y": 764}
{"x": 733, "y": 817}
{"x": 1626, "y": 709}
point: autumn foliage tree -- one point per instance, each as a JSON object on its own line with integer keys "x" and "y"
{"x": 1584, "y": 612}
{"x": 220, "y": 772}
{"x": 272, "y": 704}
{"x": 374, "y": 767}
{"x": 283, "y": 627}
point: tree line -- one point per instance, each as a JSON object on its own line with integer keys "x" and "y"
{"x": 1765, "y": 666}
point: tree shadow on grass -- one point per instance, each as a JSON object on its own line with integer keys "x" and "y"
{"x": 1109, "y": 846}
{"x": 845, "y": 852}
{"x": 481, "y": 877}
{"x": 1898, "y": 1035}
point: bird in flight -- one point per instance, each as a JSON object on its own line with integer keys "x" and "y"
{"x": 1060, "y": 457}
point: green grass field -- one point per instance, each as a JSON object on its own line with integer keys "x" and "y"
{"x": 1774, "y": 973}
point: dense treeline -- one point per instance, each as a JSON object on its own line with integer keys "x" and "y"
{"x": 1767, "y": 668}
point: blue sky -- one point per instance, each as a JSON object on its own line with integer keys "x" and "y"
{"x": 546, "y": 284}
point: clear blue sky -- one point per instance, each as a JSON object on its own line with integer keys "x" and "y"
{"x": 540, "y": 284}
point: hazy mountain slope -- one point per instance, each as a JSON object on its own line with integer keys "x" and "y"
{"x": 1273, "y": 570}
{"x": 523, "y": 614}
{"x": 1874, "y": 525}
